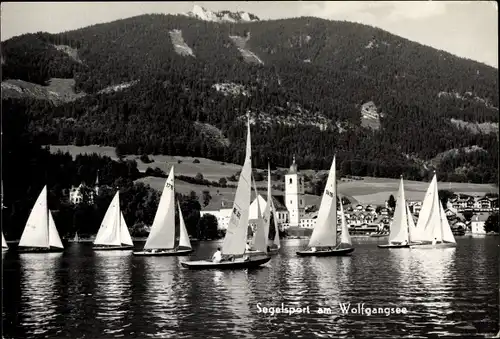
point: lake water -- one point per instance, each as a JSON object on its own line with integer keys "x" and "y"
{"x": 85, "y": 294}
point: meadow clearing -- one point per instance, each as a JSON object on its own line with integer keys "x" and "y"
{"x": 367, "y": 191}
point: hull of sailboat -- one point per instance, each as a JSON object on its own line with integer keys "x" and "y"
{"x": 39, "y": 250}
{"x": 394, "y": 246}
{"x": 231, "y": 265}
{"x": 378, "y": 235}
{"x": 112, "y": 248}
{"x": 162, "y": 254}
{"x": 331, "y": 253}
{"x": 431, "y": 246}
{"x": 273, "y": 251}
{"x": 5, "y": 249}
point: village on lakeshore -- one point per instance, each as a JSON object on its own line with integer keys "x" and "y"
{"x": 296, "y": 212}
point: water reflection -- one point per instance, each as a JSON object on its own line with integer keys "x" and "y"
{"x": 113, "y": 290}
{"x": 114, "y": 294}
{"x": 39, "y": 295}
{"x": 160, "y": 300}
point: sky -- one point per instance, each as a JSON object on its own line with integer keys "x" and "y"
{"x": 465, "y": 28}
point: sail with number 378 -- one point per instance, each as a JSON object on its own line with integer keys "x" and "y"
{"x": 323, "y": 241}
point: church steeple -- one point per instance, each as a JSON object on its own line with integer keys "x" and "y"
{"x": 96, "y": 186}
{"x": 293, "y": 169}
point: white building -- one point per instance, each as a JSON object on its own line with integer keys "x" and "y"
{"x": 76, "y": 194}
{"x": 294, "y": 195}
{"x": 477, "y": 223}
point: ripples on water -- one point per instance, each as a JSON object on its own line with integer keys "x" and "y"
{"x": 112, "y": 294}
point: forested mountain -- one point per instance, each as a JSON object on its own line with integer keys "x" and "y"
{"x": 148, "y": 84}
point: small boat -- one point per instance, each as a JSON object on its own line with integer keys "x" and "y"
{"x": 324, "y": 235}
{"x": 235, "y": 240}
{"x": 276, "y": 245}
{"x": 40, "y": 233}
{"x": 161, "y": 239}
{"x": 113, "y": 234}
{"x": 433, "y": 229}
{"x": 399, "y": 235}
{"x": 260, "y": 241}
{"x": 75, "y": 238}
{"x": 5, "y": 247}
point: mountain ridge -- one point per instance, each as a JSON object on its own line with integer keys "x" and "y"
{"x": 320, "y": 86}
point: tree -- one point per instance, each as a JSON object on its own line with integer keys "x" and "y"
{"x": 444, "y": 196}
{"x": 207, "y": 227}
{"x": 468, "y": 215}
{"x": 206, "y": 198}
{"x": 223, "y": 182}
{"x": 120, "y": 151}
{"x": 491, "y": 224}
{"x": 391, "y": 202}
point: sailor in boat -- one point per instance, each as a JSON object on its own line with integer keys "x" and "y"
{"x": 404, "y": 242}
{"x": 434, "y": 241}
{"x": 248, "y": 248}
{"x": 313, "y": 249}
{"x": 217, "y": 257}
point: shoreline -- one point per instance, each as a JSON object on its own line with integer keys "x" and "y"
{"x": 287, "y": 238}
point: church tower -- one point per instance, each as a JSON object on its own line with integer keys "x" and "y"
{"x": 294, "y": 195}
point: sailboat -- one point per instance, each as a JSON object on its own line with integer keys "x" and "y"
{"x": 236, "y": 235}
{"x": 399, "y": 236}
{"x": 5, "y": 247}
{"x": 433, "y": 229}
{"x": 275, "y": 246}
{"x": 259, "y": 239}
{"x": 76, "y": 238}
{"x": 161, "y": 239}
{"x": 40, "y": 233}
{"x": 323, "y": 240}
{"x": 265, "y": 220}
{"x": 113, "y": 233}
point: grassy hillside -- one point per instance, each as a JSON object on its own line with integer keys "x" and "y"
{"x": 367, "y": 191}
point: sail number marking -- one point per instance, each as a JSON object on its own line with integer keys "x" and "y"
{"x": 236, "y": 213}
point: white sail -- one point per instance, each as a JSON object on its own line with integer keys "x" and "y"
{"x": 75, "y": 239}
{"x": 236, "y": 234}
{"x": 277, "y": 233}
{"x": 162, "y": 234}
{"x": 54, "y": 239}
{"x": 4, "y": 243}
{"x": 125, "y": 237}
{"x": 36, "y": 231}
{"x": 183, "y": 237}
{"x": 412, "y": 229}
{"x": 345, "y": 237}
{"x": 266, "y": 216}
{"x": 109, "y": 232}
{"x": 399, "y": 227}
{"x": 447, "y": 234}
{"x": 429, "y": 214}
{"x": 325, "y": 231}
{"x": 259, "y": 240}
